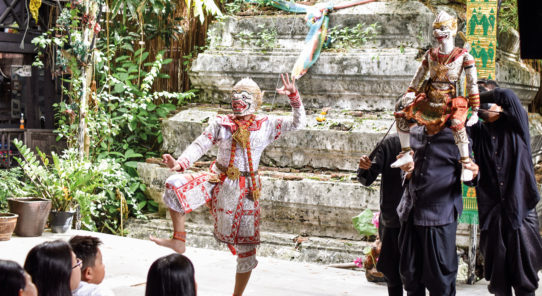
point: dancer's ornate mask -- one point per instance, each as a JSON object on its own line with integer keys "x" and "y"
{"x": 444, "y": 27}
{"x": 246, "y": 97}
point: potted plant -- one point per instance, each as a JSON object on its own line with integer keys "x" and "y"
{"x": 68, "y": 182}
{"x": 26, "y": 216}
{"x": 7, "y": 220}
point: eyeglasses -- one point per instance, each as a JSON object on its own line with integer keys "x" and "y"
{"x": 79, "y": 263}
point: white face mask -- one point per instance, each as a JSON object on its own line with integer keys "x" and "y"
{"x": 242, "y": 103}
{"x": 443, "y": 34}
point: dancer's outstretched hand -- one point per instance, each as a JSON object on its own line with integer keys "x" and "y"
{"x": 174, "y": 165}
{"x": 288, "y": 87}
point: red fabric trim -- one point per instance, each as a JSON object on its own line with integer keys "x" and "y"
{"x": 233, "y": 238}
{"x": 227, "y": 121}
{"x": 468, "y": 63}
{"x": 436, "y": 56}
{"x": 247, "y": 254}
{"x": 278, "y": 128}
{"x": 179, "y": 191}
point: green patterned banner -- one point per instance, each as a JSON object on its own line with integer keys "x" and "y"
{"x": 482, "y": 35}
{"x": 470, "y": 206}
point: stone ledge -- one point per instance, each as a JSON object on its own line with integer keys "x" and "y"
{"x": 294, "y": 246}
{"x": 318, "y": 208}
{"x": 369, "y": 80}
{"x": 278, "y": 245}
{"x": 400, "y": 24}
{"x": 317, "y": 146}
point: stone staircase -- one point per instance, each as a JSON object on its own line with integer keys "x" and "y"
{"x": 309, "y": 189}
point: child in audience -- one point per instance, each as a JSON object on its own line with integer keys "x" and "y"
{"x": 93, "y": 270}
{"x": 15, "y": 281}
{"x": 171, "y": 275}
{"x": 54, "y": 268}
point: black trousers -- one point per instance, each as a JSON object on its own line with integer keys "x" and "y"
{"x": 512, "y": 257}
{"x": 388, "y": 261}
{"x": 428, "y": 259}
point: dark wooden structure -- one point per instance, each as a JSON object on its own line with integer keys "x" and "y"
{"x": 43, "y": 139}
{"x": 24, "y": 89}
{"x": 26, "y": 92}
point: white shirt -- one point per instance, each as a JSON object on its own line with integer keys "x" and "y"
{"x": 86, "y": 289}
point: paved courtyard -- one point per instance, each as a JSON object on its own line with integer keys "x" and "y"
{"x": 127, "y": 261}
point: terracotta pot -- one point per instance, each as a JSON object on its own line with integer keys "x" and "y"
{"x": 33, "y": 213}
{"x": 7, "y": 225}
{"x": 61, "y": 222}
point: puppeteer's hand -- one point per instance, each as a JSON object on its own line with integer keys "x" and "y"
{"x": 288, "y": 87}
{"x": 472, "y": 166}
{"x": 409, "y": 98}
{"x": 365, "y": 162}
{"x": 409, "y": 166}
{"x": 473, "y": 118}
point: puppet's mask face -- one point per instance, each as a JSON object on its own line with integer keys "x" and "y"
{"x": 246, "y": 97}
{"x": 444, "y": 28}
{"x": 242, "y": 103}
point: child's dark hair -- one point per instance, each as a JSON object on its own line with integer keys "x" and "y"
{"x": 171, "y": 275}
{"x": 50, "y": 266}
{"x": 11, "y": 277}
{"x": 85, "y": 248}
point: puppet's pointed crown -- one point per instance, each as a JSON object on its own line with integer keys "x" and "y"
{"x": 444, "y": 19}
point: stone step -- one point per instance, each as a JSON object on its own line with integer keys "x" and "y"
{"x": 314, "y": 204}
{"x": 319, "y": 145}
{"x": 366, "y": 80}
{"x": 369, "y": 77}
{"x": 306, "y": 204}
{"x": 287, "y": 246}
{"x": 405, "y": 23}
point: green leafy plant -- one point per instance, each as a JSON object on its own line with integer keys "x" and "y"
{"x": 71, "y": 183}
{"x": 351, "y": 37}
{"x": 267, "y": 37}
{"x": 13, "y": 186}
{"x": 364, "y": 223}
{"x": 508, "y": 16}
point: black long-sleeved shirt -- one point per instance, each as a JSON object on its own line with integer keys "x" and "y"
{"x": 433, "y": 193}
{"x": 391, "y": 188}
{"x": 503, "y": 153}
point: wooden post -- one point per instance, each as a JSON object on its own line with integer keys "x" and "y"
{"x": 473, "y": 246}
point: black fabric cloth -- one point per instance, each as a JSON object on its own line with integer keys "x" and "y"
{"x": 530, "y": 28}
{"x": 388, "y": 260}
{"x": 391, "y": 188}
{"x": 503, "y": 152}
{"x": 428, "y": 258}
{"x": 512, "y": 257}
{"x": 433, "y": 193}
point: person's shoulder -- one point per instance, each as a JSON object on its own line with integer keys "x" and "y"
{"x": 506, "y": 92}
{"x": 87, "y": 289}
{"x": 391, "y": 140}
{"x": 102, "y": 291}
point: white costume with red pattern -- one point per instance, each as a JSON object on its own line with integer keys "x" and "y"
{"x": 236, "y": 213}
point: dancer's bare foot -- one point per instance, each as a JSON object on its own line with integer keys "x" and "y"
{"x": 175, "y": 244}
